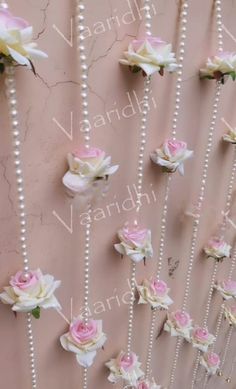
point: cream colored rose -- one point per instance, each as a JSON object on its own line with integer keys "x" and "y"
{"x": 172, "y": 155}
{"x": 28, "y": 291}
{"x": 230, "y": 314}
{"x": 217, "y": 248}
{"x": 179, "y": 323}
{"x": 135, "y": 242}
{"x": 86, "y": 167}
{"x": 154, "y": 292}
{"x": 16, "y": 37}
{"x": 84, "y": 339}
{"x": 230, "y": 137}
{"x": 219, "y": 66}
{"x": 201, "y": 338}
{"x": 125, "y": 368}
{"x": 211, "y": 362}
{"x": 151, "y": 55}
{"x": 226, "y": 288}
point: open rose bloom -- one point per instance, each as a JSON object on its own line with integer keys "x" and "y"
{"x": 230, "y": 137}
{"x": 179, "y": 323}
{"x": 230, "y": 315}
{"x": 30, "y": 291}
{"x": 16, "y": 46}
{"x": 219, "y": 67}
{"x": 211, "y": 362}
{"x": 135, "y": 242}
{"x": 126, "y": 368}
{"x": 146, "y": 384}
{"x": 226, "y": 288}
{"x": 154, "y": 292}
{"x": 84, "y": 340}
{"x": 89, "y": 168}
{"x": 201, "y": 338}
{"x": 171, "y": 156}
{"x": 218, "y": 249}
{"x": 150, "y": 55}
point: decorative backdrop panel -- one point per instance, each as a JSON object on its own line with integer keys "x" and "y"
{"x": 51, "y": 127}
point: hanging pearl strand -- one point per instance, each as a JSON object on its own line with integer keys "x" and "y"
{"x": 202, "y": 189}
{"x": 183, "y": 23}
{"x": 80, "y": 27}
{"x": 15, "y": 127}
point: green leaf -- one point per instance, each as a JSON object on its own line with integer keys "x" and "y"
{"x": 233, "y": 75}
{"x": 36, "y": 312}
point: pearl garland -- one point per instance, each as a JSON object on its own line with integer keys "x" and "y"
{"x": 12, "y": 103}
{"x": 183, "y": 23}
{"x": 196, "y": 221}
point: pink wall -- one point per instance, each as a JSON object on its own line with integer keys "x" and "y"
{"x": 53, "y": 96}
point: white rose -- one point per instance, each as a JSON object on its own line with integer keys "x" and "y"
{"x": 219, "y": 66}
{"x": 217, "y": 248}
{"x": 172, "y": 155}
{"x": 179, "y": 323}
{"x": 226, "y": 288}
{"x": 135, "y": 242}
{"x": 84, "y": 340}
{"x": 155, "y": 292}
{"x": 230, "y": 137}
{"x": 125, "y": 368}
{"x": 151, "y": 55}
{"x": 28, "y": 291}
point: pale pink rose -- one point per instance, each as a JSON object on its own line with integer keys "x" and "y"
{"x": 219, "y": 66}
{"x": 160, "y": 287}
{"x": 171, "y": 155}
{"x": 179, "y": 323}
{"x": 125, "y": 368}
{"x": 211, "y": 362}
{"x": 146, "y": 384}
{"x": 226, "y": 288}
{"x": 84, "y": 339}
{"x": 150, "y": 55}
{"x": 155, "y": 292}
{"x": 201, "y": 338}
{"x": 217, "y": 248}
{"x": 24, "y": 280}
{"x": 135, "y": 242}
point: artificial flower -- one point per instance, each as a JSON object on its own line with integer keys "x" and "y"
{"x": 217, "y": 248}
{"x": 84, "y": 339}
{"x": 211, "y": 362}
{"x": 230, "y": 314}
{"x": 16, "y": 46}
{"x": 226, "y": 288}
{"x": 30, "y": 291}
{"x": 150, "y": 55}
{"x": 172, "y": 155}
{"x": 179, "y": 323}
{"x": 87, "y": 166}
{"x": 135, "y": 242}
{"x": 125, "y": 367}
{"x": 219, "y": 66}
{"x": 147, "y": 384}
{"x": 201, "y": 338}
{"x": 154, "y": 292}
{"x": 230, "y": 137}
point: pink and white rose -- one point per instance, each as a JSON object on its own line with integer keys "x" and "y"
{"x": 154, "y": 292}
{"x": 86, "y": 167}
{"x": 217, "y": 248}
{"x": 179, "y": 323}
{"x": 147, "y": 384}
{"x": 211, "y": 362}
{"x": 230, "y": 314}
{"x": 172, "y": 155}
{"x": 84, "y": 340}
{"x": 30, "y": 291}
{"x": 125, "y": 367}
{"x": 201, "y": 338}
{"x": 150, "y": 54}
{"x": 135, "y": 242}
{"x": 219, "y": 66}
{"x": 16, "y": 41}
{"x": 230, "y": 137}
{"x": 226, "y": 288}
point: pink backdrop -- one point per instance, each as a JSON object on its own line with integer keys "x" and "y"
{"x": 49, "y": 107}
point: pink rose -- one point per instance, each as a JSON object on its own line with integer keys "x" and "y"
{"x": 128, "y": 362}
{"x": 135, "y": 235}
{"x": 201, "y": 334}
{"x": 142, "y": 385}
{"x": 88, "y": 153}
{"x": 23, "y": 280}
{"x": 182, "y": 319}
{"x": 213, "y": 359}
{"x": 159, "y": 287}
{"x": 10, "y": 22}
{"x": 174, "y": 147}
{"x": 81, "y": 332}
{"x": 229, "y": 286}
